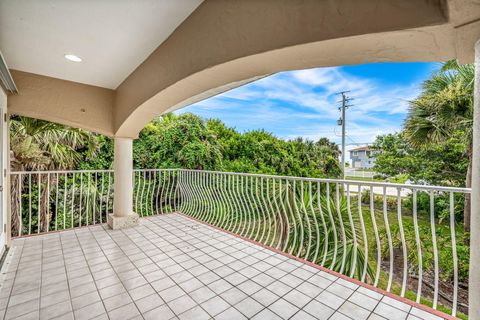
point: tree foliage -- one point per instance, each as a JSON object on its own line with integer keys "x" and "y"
{"x": 438, "y": 164}
{"x": 435, "y": 144}
{"x": 444, "y": 107}
{"x": 172, "y": 141}
{"x": 177, "y": 142}
{"x": 190, "y": 142}
{"x": 42, "y": 145}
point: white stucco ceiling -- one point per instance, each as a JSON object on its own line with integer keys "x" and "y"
{"x": 111, "y": 36}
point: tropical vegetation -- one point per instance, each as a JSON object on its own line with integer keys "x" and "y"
{"x": 190, "y": 142}
{"x": 42, "y": 145}
{"x": 435, "y": 146}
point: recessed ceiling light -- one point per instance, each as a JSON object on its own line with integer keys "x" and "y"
{"x": 73, "y": 58}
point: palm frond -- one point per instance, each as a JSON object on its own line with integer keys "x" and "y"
{"x": 39, "y": 144}
{"x": 444, "y": 107}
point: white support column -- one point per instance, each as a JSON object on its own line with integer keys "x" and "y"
{"x": 474, "y": 274}
{"x": 123, "y": 215}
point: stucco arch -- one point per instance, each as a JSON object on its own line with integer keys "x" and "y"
{"x": 226, "y": 43}
{"x": 220, "y": 78}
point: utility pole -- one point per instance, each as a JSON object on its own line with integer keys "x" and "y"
{"x": 342, "y": 121}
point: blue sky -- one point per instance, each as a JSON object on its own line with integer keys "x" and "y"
{"x": 303, "y": 103}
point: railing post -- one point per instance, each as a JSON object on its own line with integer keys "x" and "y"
{"x": 123, "y": 215}
{"x": 474, "y": 274}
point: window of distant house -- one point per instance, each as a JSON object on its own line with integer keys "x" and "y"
{"x": 355, "y": 153}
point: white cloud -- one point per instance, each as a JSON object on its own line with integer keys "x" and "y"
{"x": 304, "y": 103}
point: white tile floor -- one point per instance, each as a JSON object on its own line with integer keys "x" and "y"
{"x": 170, "y": 267}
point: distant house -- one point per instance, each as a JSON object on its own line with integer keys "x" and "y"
{"x": 363, "y": 157}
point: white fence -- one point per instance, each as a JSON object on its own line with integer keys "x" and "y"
{"x": 359, "y": 173}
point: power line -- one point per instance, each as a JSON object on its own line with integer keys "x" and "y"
{"x": 351, "y": 139}
{"x": 342, "y": 121}
{"x": 358, "y": 143}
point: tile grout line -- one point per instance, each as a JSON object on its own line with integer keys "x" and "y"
{"x": 291, "y": 288}
{"x": 114, "y": 270}
{"x": 188, "y": 293}
{"x": 424, "y": 308}
{"x": 295, "y": 288}
{"x": 265, "y": 287}
{"x": 7, "y": 266}
{"x": 205, "y": 285}
{"x": 66, "y": 275}
{"x": 370, "y": 312}
{"x": 182, "y": 241}
{"x": 90, "y": 271}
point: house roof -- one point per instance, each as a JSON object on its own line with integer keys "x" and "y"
{"x": 364, "y": 148}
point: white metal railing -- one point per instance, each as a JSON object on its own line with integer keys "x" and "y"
{"x": 155, "y": 191}
{"x": 403, "y": 238}
{"x": 45, "y": 201}
{"x": 388, "y": 241}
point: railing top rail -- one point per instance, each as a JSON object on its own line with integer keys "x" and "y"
{"x": 142, "y": 170}
{"x": 349, "y": 182}
{"x": 84, "y": 171}
{"x": 344, "y": 181}
{"x": 57, "y": 171}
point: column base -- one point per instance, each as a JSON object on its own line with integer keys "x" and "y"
{"x": 122, "y": 222}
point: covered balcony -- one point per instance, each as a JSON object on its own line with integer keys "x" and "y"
{"x": 188, "y": 244}
{"x": 229, "y": 245}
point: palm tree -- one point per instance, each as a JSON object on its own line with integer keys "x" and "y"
{"x": 42, "y": 145}
{"x": 445, "y": 107}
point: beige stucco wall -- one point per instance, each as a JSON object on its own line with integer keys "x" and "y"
{"x": 66, "y": 102}
{"x": 225, "y": 43}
